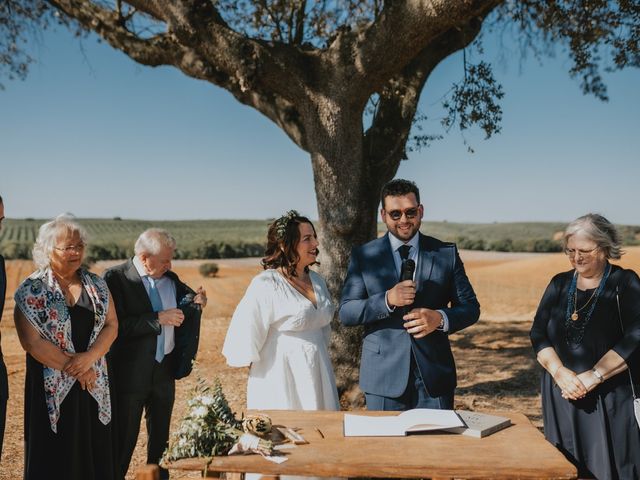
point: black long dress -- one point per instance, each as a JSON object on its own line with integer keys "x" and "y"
{"x": 598, "y": 433}
{"x": 82, "y": 448}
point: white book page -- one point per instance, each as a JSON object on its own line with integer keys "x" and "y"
{"x": 368, "y": 426}
{"x": 420, "y": 419}
{"x": 412, "y": 420}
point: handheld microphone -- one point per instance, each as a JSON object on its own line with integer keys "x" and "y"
{"x": 406, "y": 272}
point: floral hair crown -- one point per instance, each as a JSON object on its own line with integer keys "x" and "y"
{"x": 283, "y": 222}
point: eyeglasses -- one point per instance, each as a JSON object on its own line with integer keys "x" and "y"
{"x": 71, "y": 248}
{"x": 409, "y": 213}
{"x": 571, "y": 252}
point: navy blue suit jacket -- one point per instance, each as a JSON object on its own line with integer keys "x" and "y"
{"x": 441, "y": 284}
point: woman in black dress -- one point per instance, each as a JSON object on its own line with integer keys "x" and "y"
{"x": 65, "y": 321}
{"x": 587, "y": 402}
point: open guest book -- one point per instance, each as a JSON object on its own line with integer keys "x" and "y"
{"x": 473, "y": 424}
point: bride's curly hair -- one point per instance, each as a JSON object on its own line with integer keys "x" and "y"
{"x": 282, "y": 240}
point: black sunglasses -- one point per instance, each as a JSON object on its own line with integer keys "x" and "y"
{"x": 409, "y": 213}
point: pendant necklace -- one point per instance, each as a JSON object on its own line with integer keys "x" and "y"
{"x": 576, "y": 310}
{"x": 574, "y": 325}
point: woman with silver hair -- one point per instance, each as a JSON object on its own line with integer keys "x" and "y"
{"x": 66, "y": 324}
{"x": 587, "y": 345}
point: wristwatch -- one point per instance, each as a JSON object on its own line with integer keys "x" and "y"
{"x": 598, "y": 375}
{"x": 441, "y": 326}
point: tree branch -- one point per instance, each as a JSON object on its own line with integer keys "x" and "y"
{"x": 200, "y": 44}
{"x": 147, "y": 6}
{"x": 404, "y": 28}
{"x": 385, "y": 141}
{"x": 299, "y": 24}
{"x": 157, "y": 50}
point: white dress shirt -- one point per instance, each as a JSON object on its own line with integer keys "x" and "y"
{"x": 414, "y": 243}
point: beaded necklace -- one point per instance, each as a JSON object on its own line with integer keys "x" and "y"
{"x": 575, "y": 328}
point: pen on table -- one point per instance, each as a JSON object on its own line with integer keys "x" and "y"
{"x": 320, "y": 432}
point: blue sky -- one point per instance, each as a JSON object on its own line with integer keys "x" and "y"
{"x": 92, "y": 133}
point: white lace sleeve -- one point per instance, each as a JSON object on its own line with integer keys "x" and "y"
{"x": 250, "y": 324}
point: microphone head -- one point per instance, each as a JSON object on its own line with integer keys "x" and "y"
{"x": 408, "y": 267}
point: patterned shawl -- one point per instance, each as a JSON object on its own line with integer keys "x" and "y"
{"x": 42, "y": 302}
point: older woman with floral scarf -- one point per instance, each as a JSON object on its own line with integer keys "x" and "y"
{"x": 66, "y": 324}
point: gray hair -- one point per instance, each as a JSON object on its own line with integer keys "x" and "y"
{"x": 599, "y": 230}
{"x": 49, "y": 233}
{"x": 152, "y": 240}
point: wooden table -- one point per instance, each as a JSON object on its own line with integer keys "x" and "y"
{"x": 519, "y": 451}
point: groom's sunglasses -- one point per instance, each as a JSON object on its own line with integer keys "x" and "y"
{"x": 409, "y": 213}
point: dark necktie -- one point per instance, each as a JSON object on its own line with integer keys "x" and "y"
{"x": 404, "y": 251}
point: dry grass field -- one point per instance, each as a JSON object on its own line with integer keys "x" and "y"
{"x": 496, "y": 366}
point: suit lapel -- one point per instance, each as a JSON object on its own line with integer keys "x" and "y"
{"x": 180, "y": 290}
{"x": 136, "y": 283}
{"x": 385, "y": 266}
{"x": 425, "y": 265}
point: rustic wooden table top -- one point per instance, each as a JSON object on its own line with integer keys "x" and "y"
{"x": 519, "y": 451}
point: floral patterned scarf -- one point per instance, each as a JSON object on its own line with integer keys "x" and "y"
{"x": 42, "y": 302}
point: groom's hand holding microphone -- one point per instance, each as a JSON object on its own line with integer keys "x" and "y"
{"x": 418, "y": 322}
{"x": 404, "y": 292}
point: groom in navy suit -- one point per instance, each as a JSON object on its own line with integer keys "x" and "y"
{"x": 406, "y": 356}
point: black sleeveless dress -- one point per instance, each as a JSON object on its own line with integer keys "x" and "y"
{"x": 82, "y": 449}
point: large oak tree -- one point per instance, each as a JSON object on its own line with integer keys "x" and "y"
{"x": 318, "y": 69}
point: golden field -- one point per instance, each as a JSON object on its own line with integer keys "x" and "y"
{"x": 496, "y": 366}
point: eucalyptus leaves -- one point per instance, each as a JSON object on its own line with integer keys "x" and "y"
{"x": 210, "y": 428}
{"x": 283, "y": 221}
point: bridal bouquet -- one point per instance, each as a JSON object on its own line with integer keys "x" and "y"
{"x": 210, "y": 428}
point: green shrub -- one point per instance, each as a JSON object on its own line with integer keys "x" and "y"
{"x": 546, "y": 245}
{"x": 502, "y": 245}
{"x": 16, "y": 250}
{"x": 466, "y": 243}
{"x": 208, "y": 249}
{"x": 208, "y": 269}
{"x": 227, "y": 251}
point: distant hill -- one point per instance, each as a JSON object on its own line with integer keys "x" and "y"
{"x": 114, "y": 238}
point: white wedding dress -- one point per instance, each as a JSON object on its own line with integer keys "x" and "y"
{"x": 285, "y": 338}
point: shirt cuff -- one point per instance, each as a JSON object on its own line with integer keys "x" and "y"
{"x": 445, "y": 321}
{"x": 386, "y": 302}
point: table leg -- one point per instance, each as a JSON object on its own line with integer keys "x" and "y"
{"x": 148, "y": 472}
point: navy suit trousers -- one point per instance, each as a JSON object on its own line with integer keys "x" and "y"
{"x": 415, "y": 396}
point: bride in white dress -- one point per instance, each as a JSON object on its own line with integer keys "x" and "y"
{"x": 281, "y": 327}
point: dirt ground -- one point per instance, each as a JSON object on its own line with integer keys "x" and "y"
{"x": 496, "y": 367}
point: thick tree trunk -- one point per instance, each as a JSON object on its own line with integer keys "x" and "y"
{"x": 347, "y": 194}
{"x": 347, "y": 218}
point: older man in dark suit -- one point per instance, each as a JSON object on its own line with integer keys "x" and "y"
{"x": 407, "y": 313}
{"x": 4, "y": 382}
{"x": 159, "y": 328}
